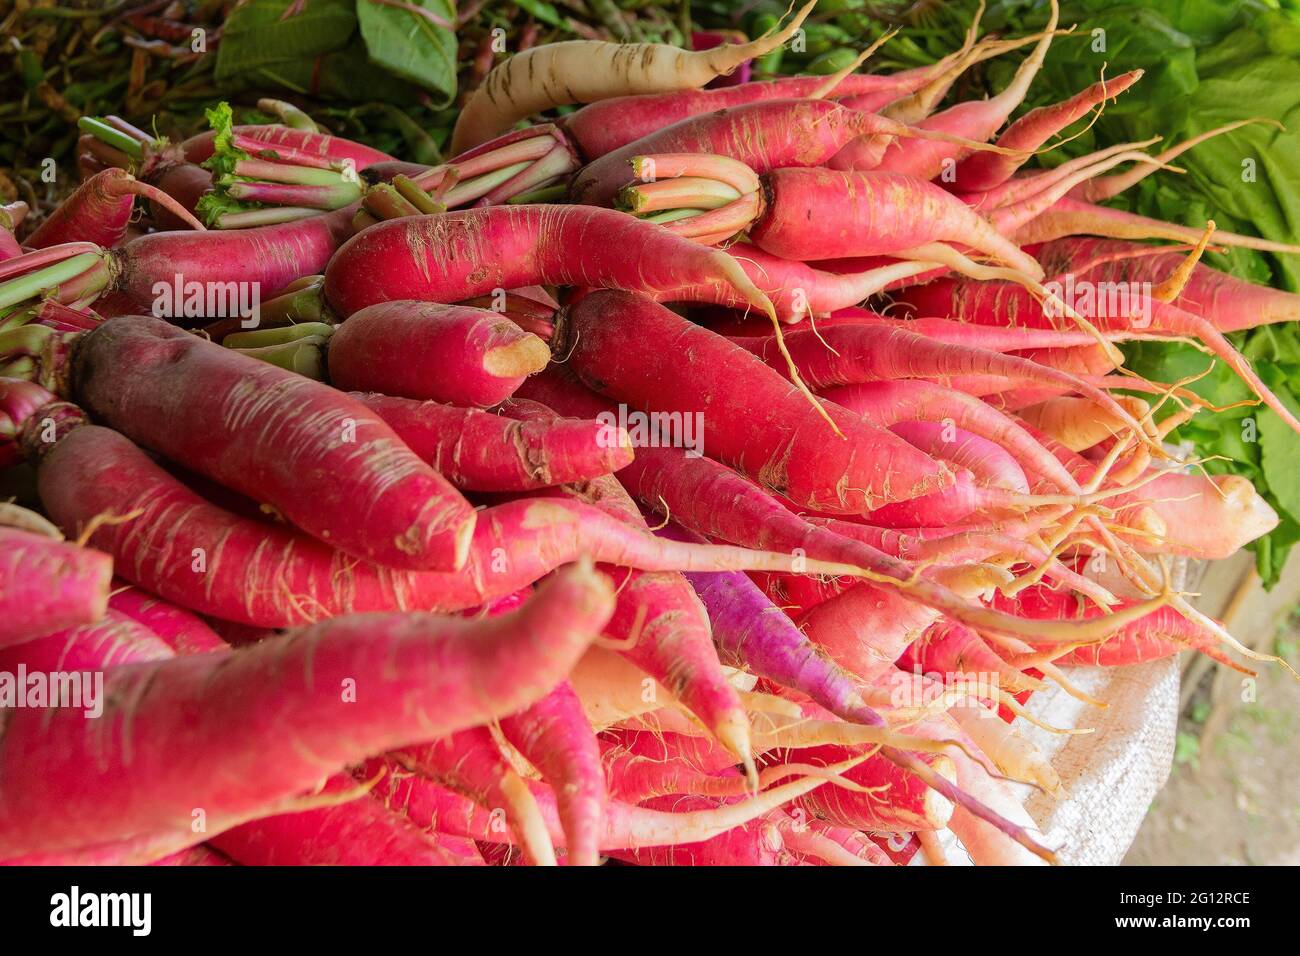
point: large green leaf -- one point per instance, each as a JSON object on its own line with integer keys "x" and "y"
{"x": 266, "y": 33}
{"x": 412, "y": 46}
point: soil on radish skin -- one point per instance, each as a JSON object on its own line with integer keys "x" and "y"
{"x": 1237, "y": 800}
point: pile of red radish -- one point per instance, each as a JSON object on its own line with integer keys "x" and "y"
{"x": 474, "y": 550}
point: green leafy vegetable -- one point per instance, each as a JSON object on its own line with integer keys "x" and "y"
{"x": 1207, "y": 64}
{"x": 225, "y": 154}
{"x": 264, "y": 34}
{"x": 542, "y": 11}
{"x": 215, "y": 204}
{"x": 413, "y": 45}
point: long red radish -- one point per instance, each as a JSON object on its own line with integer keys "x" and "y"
{"x": 460, "y": 255}
{"x": 819, "y": 839}
{"x": 1229, "y": 303}
{"x": 454, "y": 354}
{"x": 798, "y": 289}
{"x": 430, "y": 805}
{"x": 113, "y": 639}
{"x": 754, "y": 634}
{"x": 271, "y": 140}
{"x": 483, "y": 451}
{"x": 164, "y": 272}
{"x": 1073, "y": 217}
{"x": 768, "y": 430}
{"x": 986, "y": 170}
{"x": 988, "y": 462}
{"x": 555, "y": 736}
{"x": 1161, "y": 633}
{"x": 584, "y": 71}
{"x": 100, "y": 210}
{"x": 471, "y": 763}
{"x": 1124, "y": 312}
{"x": 183, "y": 631}
{"x": 321, "y": 459}
{"x": 660, "y": 617}
{"x": 175, "y": 732}
{"x": 849, "y": 354}
{"x": 973, "y": 120}
{"x": 757, "y": 843}
{"x": 888, "y": 403}
{"x": 948, "y": 650}
{"x": 901, "y": 803}
{"x": 866, "y": 628}
{"x": 45, "y": 583}
{"x": 954, "y": 547}
{"x": 191, "y": 552}
{"x": 826, "y": 214}
{"x": 688, "y": 488}
{"x": 359, "y": 832}
{"x": 638, "y": 777}
{"x": 610, "y": 124}
{"x": 763, "y": 136}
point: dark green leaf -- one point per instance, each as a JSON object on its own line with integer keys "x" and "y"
{"x": 542, "y": 11}
{"x": 412, "y": 46}
{"x": 263, "y": 33}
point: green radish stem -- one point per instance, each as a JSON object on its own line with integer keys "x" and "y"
{"x": 33, "y": 284}
{"x": 106, "y": 133}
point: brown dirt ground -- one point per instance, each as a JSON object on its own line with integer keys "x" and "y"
{"x": 1233, "y": 799}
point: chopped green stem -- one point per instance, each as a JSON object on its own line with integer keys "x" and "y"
{"x": 306, "y": 282}
{"x": 385, "y": 202}
{"x": 82, "y": 289}
{"x": 264, "y": 217}
{"x": 34, "y": 284}
{"x": 673, "y": 215}
{"x": 301, "y": 305}
{"x": 468, "y": 190}
{"x": 303, "y": 356}
{"x": 22, "y": 368}
{"x": 25, "y": 340}
{"x": 558, "y": 162}
{"x": 39, "y": 258}
{"x": 546, "y": 194}
{"x": 273, "y": 172}
{"x": 283, "y": 194}
{"x": 261, "y": 338}
{"x": 14, "y": 316}
{"x": 409, "y": 190}
{"x": 113, "y": 137}
{"x": 693, "y": 191}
